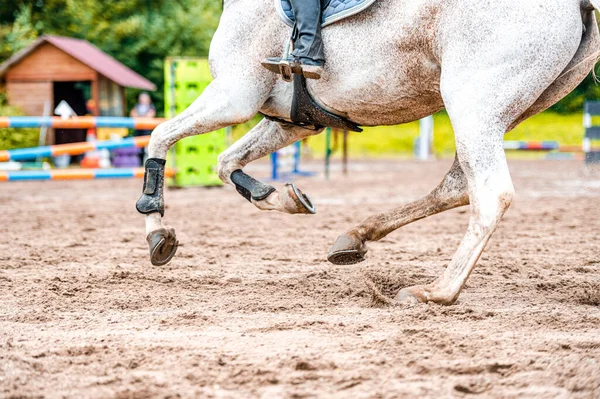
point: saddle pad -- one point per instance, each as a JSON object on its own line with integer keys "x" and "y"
{"x": 335, "y": 11}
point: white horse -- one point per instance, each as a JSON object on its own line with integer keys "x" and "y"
{"x": 490, "y": 63}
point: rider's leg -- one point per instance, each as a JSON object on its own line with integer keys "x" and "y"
{"x": 308, "y": 47}
{"x": 308, "y": 57}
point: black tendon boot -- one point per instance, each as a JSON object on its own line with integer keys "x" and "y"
{"x": 162, "y": 242}
{"x": 308, "y": 57}
{"x": 152, "y": 196}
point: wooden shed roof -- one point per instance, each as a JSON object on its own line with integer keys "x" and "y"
{"x": 88, "y": 54}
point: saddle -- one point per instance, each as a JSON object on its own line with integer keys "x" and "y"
{"x": 333, "y": 10}
{"x": 305, "y": 110}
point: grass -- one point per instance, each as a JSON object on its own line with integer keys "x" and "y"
{"x": 11, "y": 138}
{"x": 391, "y": 141}
{"x": 398, "y": 140}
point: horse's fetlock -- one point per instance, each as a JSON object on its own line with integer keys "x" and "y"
{"x": 506, "y": 198}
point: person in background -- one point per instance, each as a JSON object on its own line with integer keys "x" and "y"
{"x": 143, "y": 109}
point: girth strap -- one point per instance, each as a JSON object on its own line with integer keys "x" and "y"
{"x": 306, "y": 111}
{"x": 307, "y": 114}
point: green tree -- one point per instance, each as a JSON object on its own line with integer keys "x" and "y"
{"x": 139, "y": 33}
{"x": 18, "y": 34}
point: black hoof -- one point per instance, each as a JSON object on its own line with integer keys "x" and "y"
{"x": 163, "y": 246}
{"x": 302, "y": 200}
{"x": 347, "y": 250}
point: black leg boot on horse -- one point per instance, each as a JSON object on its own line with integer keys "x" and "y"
{"x": 162, "y": 242}
{"x": 308, "y": 57}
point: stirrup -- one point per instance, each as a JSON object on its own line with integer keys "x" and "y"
{"x": 280, "y": 66}
{"x": 285, "y": 70}
{"x": 284, "y": 66}
{"x": 311, "y": 71}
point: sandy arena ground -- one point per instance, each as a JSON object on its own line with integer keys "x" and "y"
{"x": 251, "y": 308}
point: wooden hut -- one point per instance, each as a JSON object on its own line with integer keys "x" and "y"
{"x": 54, "y": 68}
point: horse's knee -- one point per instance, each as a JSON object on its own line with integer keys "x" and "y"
{"x": 159, "y": 142}
{"x": 222, "y": 170}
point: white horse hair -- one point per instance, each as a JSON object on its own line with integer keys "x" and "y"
{"x": 490, "y": 63}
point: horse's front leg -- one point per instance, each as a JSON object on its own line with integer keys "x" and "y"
{"x": 266, "y": 138}
{"x": 222, "y": 104}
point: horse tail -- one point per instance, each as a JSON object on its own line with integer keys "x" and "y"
{"x": 590, "y": 32}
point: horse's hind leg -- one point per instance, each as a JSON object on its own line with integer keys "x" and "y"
{"x": 451, "y": 193}
{"x": 266, "y": 138}
{"x": 221, "y": 105}
{"x": 491, "y": 192}
{"x": 484, "y": 98}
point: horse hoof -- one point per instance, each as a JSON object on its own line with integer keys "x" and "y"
{"x": 163, "y": 246}
{"x": 347, "y": 250}
{"x": 407, "y": 297}
{"x": 302, "y": 203}
{"x": 349, "y": 257}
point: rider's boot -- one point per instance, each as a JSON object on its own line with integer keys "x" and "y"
{"x": 308, "y": 57}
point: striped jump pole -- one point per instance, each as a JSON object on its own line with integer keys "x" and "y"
{"x": 542, "y": 146}
{"x": 82, "y": 122}
{"x": 76, "y": 174}
{"x": 532, "y": 145}
{"x": 25, "y": 154}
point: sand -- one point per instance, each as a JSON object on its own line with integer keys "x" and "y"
{"x": 251, "y": 308}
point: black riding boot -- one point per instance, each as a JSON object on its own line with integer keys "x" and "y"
{"x": 308, "y": 57}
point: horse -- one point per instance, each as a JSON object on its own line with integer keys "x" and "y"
{"x": 490, "y": 63}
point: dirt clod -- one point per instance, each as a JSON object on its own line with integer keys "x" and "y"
{"x": 383, "y": 286}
